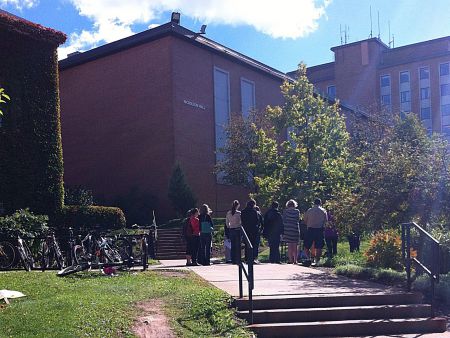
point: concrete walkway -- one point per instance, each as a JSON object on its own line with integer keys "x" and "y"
{"x": 277, "y": 279}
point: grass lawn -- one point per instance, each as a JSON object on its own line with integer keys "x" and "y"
{"x": 90, "y": 304}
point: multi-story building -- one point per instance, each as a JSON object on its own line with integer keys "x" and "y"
{"x": 133, "y": 108}
{"x": 369, "y": 75}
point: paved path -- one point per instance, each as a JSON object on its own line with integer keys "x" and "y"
{"x": 276, "y": 279}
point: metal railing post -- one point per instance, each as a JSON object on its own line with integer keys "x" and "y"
{"x": 408, "y": 256}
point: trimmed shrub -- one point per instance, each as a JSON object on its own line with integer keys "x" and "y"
{"x": 88, "y": 217}
{"x": 385, "y": 276}
{"x": 385, "y": 250}
{"x": 78, "y": 196}
{"x": 31, "y": 169}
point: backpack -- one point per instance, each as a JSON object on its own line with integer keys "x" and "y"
{"x": 187, "y": 228}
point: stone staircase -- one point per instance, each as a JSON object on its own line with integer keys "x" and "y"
{"x": 170, "y": 244}
{"x": 339, "y": 315}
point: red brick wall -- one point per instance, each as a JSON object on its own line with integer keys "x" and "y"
{"x": 117, "y": 122}
{"x": 125, "y": 122}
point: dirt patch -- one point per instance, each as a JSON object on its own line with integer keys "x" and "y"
{"x": 172, "y": 273}
{"x": 152, "y": 323}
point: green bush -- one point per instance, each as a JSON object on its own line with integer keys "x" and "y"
{"x": 442, "y": 289}
{"x": 31, "y": 166}
{"x": 23, "y": 222}
{"x": 385, "y": 250}
{"x": 87, "y": 217}
{"x": 78, "y": 196}
{"x": 385, "y": 276}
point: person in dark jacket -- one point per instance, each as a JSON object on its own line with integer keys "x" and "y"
{"x": 250, "y": 223}
{"x": 206, "y": 231}
{"x": 273, "y": 229}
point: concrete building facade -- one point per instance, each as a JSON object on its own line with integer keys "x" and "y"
{"x": 369, "y": 75}
{"x": 134, "y": 108}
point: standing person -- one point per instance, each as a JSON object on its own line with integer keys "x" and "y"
{"x": 233, "y": 223}
{"x": 187, "y": 236}
{"x": 206, "y": 230}
{"x": 331, "y": 234}
{"x": 315, "y": 219}
{"x": 193, "y": 241}
{"x": 259, "y": 232}
{"x": 273, "y": 228}
{"x": 291, "y": 234}
{"x": 250, "y": 223}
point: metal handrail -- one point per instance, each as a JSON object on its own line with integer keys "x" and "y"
{"x": 248, "y": 273}
{"x": 433, "y": 270}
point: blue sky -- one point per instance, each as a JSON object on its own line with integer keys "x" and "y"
{"x": 279, "y": 33}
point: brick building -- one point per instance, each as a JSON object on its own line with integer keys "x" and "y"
{"x": 371, "y": 76}
{"x": 133, "y": 108}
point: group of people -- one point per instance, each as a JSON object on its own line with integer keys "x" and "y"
{"x": 274, "y": 225}
{"x": 198, "y": 230}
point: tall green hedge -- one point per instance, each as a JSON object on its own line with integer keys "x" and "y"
{"x": 31, "y": 166}
{"x": 88, "y": 217}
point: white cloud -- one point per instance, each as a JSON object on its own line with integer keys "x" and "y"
{"x": 112, "y": 19}
{"x": 19, "y": 4}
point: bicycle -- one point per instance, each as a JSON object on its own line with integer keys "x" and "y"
{"x": 10, "y": 254}
{"x": 134, "y": 247}
{"x": 92, "y": 251}
{"x": 51, "y": 253}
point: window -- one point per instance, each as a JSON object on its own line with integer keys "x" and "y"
{"x": 247, "y": 96}
{"x": 425, "y": 93}
{"x": 424, "y": 73}
{"x": 445, "y": 89}
{"x": 331, "y": 91}
{"x": 445, "y": 110}
{"x": 425, "y": 113}
{"x": 221, "y": 110}
{"x": 385, "y": 100}
{"x": 446, "y": 130}
{"x": 385, "y": 80}
{"x": 404, "y": 77}
{"x": 444, "y": 69}
{"x": 405, "y": 96}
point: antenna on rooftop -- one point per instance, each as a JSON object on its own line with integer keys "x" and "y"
{"x": 378, "y": 24}
{"x": 370, "y": 9}
{"x": 390, "y": 41}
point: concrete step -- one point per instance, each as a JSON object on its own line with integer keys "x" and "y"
{"x": 174, "y": 256}
{"x": 327, "y": 300}
{"x": 338, "y": 313}
{"x": 346, "y": 328}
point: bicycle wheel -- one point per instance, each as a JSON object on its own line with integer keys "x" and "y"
{"x": 45, "y": 260}
{"x": 79, "y": 254}
{"x": 124, "y": 248}
{"x": 59, "y": 259}
{"x": 72, "y": 269}
{"x": 112, "y": 255}
{"x": 25, "y": 255}
{"x": 7, "y": 255}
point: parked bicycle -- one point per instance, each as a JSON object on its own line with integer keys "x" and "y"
{"x": 93, "y": 251}
{"x": 51, "y": 254}
{"x": 14, "y": 250}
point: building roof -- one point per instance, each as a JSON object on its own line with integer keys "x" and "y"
{"x": 15, "y": 24}
{"x": 377, "y": 40}
{"x": 169, "y": 29}
{"x": 416, "y": 52}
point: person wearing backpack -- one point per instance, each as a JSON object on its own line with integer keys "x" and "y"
{"x": 191, "y": 232}
{"x": 206, "y": 231}
{"x": 273, "y": 229}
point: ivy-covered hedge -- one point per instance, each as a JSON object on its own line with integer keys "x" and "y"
{"x": 88, "y": 217}
{"x": 31, "y": 166}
